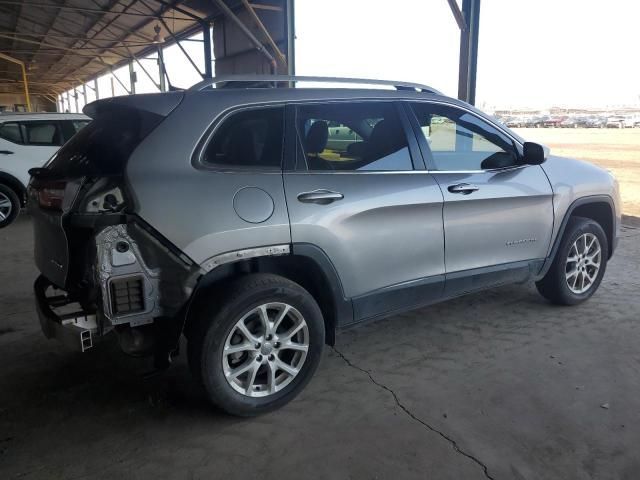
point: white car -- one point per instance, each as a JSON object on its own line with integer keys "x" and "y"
{"x": 632, "y": 121}
{"x": 28, "y": 140}
{"x": 615, "y": 121}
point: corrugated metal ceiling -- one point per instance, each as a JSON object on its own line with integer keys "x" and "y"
{"x": 65, "y": 42}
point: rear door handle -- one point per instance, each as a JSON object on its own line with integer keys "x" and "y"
{"x": 463, "y": 188}
{"x": 323, "y": 197}
{"x": 6, "y": 152}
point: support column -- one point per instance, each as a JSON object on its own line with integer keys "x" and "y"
{"x": 469, "y": 51}
{"x": 95, "y": 88}
{"x": 132, "y": 79}
{"x": 291, "y": 36}
{"x": 206, "y": 35}
{"x": 163, "y": 81}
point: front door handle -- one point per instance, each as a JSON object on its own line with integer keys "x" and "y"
{"x": 463, "y": 188}
{"x": 6, "y": 152}
{"x": 323, "y": 197}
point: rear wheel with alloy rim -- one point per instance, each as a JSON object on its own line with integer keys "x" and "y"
{"x": 256, "y": 349}
{"x": 266, "y": 349}
{"x": 9, "y": 205}
{"x": 579, "y": 264}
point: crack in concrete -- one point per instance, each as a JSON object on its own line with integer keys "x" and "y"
{"x": 400, "y": 405}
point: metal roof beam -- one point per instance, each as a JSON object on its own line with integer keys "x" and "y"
{"x": 136, "y": 27}
{"x": 80, "y": 9}
{"x": 57, "y": 47}
{"x": 103, "y": 27}
{"x": 43, "y": 25}
{"x": 265, "y": 32}
{"x": 457, "y": 14}
{"x": 184, "y": 10}
{"x": 68, "y": 37}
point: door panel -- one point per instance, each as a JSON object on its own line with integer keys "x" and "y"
{"x": 496, "y": 211}
{"x": 508, "y": 218}
{"x": 386, "y": 230}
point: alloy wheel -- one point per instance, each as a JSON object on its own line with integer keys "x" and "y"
{"x": 5, "y": 207}
{"x": 583, "y": 263}
{"x": 265, "y": 349}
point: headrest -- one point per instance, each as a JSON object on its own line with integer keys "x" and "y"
{"x": 386, "y": 138}
{"x": 317, "y": 137}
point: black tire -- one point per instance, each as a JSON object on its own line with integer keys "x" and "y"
{"x": 15, "y": 205}
{"x": 213, "y": 322}
{"x": 553, "y": 286}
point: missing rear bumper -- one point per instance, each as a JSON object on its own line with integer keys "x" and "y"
{"x": 62, "y": 318}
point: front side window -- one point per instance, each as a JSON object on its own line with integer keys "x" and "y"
{"x": 365, "y": 136}
{"x": 460, "y": 141}
{"x": 248, "y": 138}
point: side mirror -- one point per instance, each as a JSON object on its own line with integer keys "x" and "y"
{"x": 534, "y": 153}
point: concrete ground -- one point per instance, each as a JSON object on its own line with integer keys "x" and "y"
{"x": 494, "y": 385}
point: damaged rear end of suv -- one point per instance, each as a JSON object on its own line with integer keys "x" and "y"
{"x": 104, "y": 270}
{"x": 152, "y": 222}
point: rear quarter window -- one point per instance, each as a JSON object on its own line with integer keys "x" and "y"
{"x": 105, "y": 144}
{"x": 249, "y": 138}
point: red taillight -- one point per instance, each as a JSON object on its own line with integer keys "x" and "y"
{"x": 51, "y": 195}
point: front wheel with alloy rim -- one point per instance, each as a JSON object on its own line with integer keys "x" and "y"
{"x": 9, "y": 205}
{"x": 257, "y": 348}
{"x": 579, "y": 264}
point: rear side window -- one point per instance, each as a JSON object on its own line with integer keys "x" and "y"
{"x": 246, "y": 139}
{"x": 104, "y": 146}
{"x": 42, "y": 133}
{"x": 364, "y": 136}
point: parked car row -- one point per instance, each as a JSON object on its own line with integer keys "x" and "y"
{"x": 571, "y": 121}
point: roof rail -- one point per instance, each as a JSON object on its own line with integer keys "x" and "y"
{"x": 252, "y": 81}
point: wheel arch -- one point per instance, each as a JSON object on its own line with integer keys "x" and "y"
{"x": 307, "y": 265}
{"x": 16, "y": 185}
{"x": 602, "y": 213}
{"x": 599, "y": 208}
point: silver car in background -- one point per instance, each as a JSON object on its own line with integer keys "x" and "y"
{"x": 259, "y": 221}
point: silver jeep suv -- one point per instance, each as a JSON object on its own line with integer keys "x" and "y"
{"x": 258, "y": 221}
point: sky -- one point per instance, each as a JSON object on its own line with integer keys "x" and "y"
{"x": 536, "y": 53}
{"x": 532, "y": 53}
